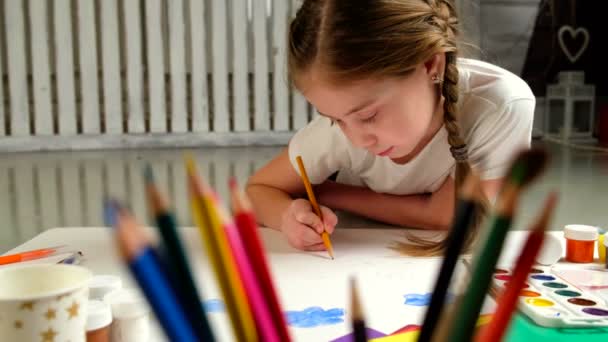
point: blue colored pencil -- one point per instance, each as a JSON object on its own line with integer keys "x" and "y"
{"x": 146, "y": 268}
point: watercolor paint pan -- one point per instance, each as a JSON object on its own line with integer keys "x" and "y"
{"x": 552, "y": 302}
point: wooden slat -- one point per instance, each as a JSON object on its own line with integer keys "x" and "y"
{"x": 116, "y": 186}
{"x": 260, "y": 61}
{"x": 6, "y": 233}
{"x": 15, "y": 51}
{"x": 43, "y": 112}
{"x": 220, "y": 68}
{"x": 156, "y": 69}
{"x": 110, "y": 47}
{"x": 89, "y": 83}
{"x": 180, "y": 191}
{"x": 280, "y": 17}
{"x": 93, "y": 192}
{"x": 2, "y": 105}
{"x": 135, "y": 81}
{"x": 300, "y": 105}
{"x": 24, "y": 201}
{"x": 179, "y": 114}
{"x": 49, "y": 201}
{"x": 199, "y": 91}
{"x": 137, "y": 198}
{"x": 64, "y": 59}
{"x": 300, "y": 109}
{"x": 240, "y": 70}
{"x": 70, "y": 184}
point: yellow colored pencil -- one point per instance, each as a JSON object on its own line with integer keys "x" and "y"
{"x": 212, "y": 233}
{"x": 315, "y": 205}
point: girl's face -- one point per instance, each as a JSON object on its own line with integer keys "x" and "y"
{"x": 389, "y": 117}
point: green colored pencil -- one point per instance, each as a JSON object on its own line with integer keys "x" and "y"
{"x": 174, "y": 256}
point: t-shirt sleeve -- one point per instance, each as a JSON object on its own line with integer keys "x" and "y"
{"x": 323, "y": 149}
{"x": 501, "y": 135}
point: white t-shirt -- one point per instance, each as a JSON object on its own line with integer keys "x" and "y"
{"x": 496, "y": 110}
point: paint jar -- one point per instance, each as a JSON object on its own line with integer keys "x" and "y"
{"x": 580, "y": 242}
{"x": 552, "y": 250}
{"x": 99, "y": 318}
{"x": 100, "y": 285}
{"x": 130, "y": 312}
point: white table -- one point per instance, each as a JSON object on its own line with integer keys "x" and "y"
{"x": 303, "y": 279}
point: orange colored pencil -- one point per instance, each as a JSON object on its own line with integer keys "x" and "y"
{"x": 28, "y": 255}
{"x": 246, "y": 223}
{"x": 315, "y": 205}
{"x": 508, "y": 300}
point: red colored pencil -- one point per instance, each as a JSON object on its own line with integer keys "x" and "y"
{"x": 29, "y": 255}
{"x": 508, "y": 300}
{"x": 246, "y": 223}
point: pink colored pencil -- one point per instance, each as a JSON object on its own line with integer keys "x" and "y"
{"x": 259, "y": 307}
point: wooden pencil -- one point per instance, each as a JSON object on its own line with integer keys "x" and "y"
{"x": 357, "y": 320}
{"x": 215, "y": 240}
{"x": 147, "y": 270}
{"x": 246, "y": 223}
{"x": 255, "y": 296}
{"x": 314, "y": 204}
{"x": 508, "y": 299}
{"x": 465, "y": 213}
{"x": 175, "y": 257}
{"x": 525, "y": 167}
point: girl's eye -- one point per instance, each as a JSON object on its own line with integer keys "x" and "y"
{"x": 370, "y": 118}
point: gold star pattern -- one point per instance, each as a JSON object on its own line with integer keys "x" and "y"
{"x": 18, "y": 324}
{"x": 27, "y": 305}
{"x": 49, "y": 335}
{"x": 50, "y": 314}
{"x": 73, "y": 310}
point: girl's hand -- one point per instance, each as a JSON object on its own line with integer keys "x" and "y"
{"x": 303, "y": 227}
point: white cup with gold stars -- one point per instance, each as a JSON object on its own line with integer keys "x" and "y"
{"x": 43, "y": 302}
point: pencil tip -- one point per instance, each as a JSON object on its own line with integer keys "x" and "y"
{"x": 232, "y": 183}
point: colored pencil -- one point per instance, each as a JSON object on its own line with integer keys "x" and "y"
{"x": 255, "y": 296}
{"x": 463, "y": 219}
{"x": 246, "y": 223}
{"x": 146, "y": 268}
{"x": 175, "y": 258}
{"x": 314, "y": 204}
{"x": 29, "y": 255}
{"x": 526, "y": 166}
{"x": 508, "y": 300}
{"x": 357, "y": 320}
{"x": 215, "y": 240}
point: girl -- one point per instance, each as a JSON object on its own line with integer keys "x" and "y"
{"x": 402, "y": 119}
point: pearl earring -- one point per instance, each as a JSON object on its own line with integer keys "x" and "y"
{"x": 436, "y": 79}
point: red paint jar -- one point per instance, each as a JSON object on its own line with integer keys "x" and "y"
{"x": 580, "y": 242}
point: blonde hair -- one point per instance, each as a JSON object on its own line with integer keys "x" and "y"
{"x": 356, "y": 39}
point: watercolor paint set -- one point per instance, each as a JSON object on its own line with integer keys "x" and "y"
{"x": 551, "y": 301}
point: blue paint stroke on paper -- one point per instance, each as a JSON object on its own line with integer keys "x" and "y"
{"x": 416, "y": 299}
{"x": 214, "y": 305}
{"x": 314, "y": 317}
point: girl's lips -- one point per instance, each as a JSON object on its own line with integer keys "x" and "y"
{"x": 386, "y": 152}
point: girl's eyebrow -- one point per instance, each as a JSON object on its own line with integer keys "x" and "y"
{"x": 354, "y": 110}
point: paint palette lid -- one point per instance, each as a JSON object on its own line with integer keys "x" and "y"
{"x": 99, "y": 315}
{"x": 580, "y": 232}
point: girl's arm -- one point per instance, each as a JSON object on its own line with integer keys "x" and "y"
{"x": 429, "y": 211}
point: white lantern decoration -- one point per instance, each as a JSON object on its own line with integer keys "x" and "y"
{"x": 570, "y": 107}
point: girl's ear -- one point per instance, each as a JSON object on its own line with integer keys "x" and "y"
{"x": 435, "y": 65}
